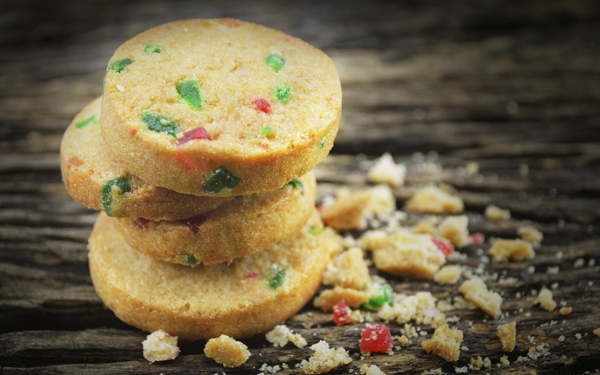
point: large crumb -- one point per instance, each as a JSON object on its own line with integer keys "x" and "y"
{"x": 348, "y": 270}
{"x": 476, "y": 291}
{"x": 565, "y": 310}
{"x": 448, "y": 275}
{"x": 281, "y": 335}
{"x": 496, "y": 213}
{"x": 349, "y": 210}
{"x": 530, "y": 234}
{"x": 508, "y": 336}
{"x": 330, "y": 297}
{"x": 404, "y": 253}
{"x": 325, "y": 359}
{"x": 425, "y": 227}
{"x": 597, "y": 332}
{"x": 407, "y": 308}
{"x": 455, "y": 229}
{"x": 445, "y": 343}
{"x": 370, "y": 370}
{"x": 545, "y": 299}
{"x": 503, "y": 250}
{"x": 434, "y": 200}
{"x": 160, "y": 346}
{"x": 386, "y": 171}
{"x": 227, "y": 351}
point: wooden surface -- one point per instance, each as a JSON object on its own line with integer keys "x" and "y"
{"x": 503, "y": 84}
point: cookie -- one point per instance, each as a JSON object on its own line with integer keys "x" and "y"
{"x": 248, "y": 296}
{"x": 219, "y": 107}
{"x": 244, "y": 226}
{"x": 95, "y": 180}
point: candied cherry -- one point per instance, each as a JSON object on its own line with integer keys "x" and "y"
{"x": 477, "y": 238}
{"x": 376, "y": 338}
{"x": 445, "y": 247}
{"x": 341, "y": 313}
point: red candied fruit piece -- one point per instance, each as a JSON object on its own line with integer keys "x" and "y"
{"x": 262, "y": 105}
{"x": 445, "y": 247}
{"x": 197, "y": 133}
{"x": 193, "y": 223}
{"x": 341, "y": 313}
{"x": 141, "y": 223}
{"x": 376, "y": 339}
{"x": 251, "y": 275}
{"x": 477, "y": 238}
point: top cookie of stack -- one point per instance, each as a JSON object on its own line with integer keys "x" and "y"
{"x": 219, "y": 107}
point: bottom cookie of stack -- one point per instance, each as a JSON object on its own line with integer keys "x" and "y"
{"x": 249, "y": 296}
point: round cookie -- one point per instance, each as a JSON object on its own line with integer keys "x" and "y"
{"x": 248, "y": 296}
{"x": 95, "y": 180}
{"x": 219, "y": 107}
{"x": 246, "y": 225}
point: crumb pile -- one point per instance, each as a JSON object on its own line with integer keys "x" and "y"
{"x": 200, "y": 155}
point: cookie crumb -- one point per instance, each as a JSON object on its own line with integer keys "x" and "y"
{"x": 504, "y": 361}
{"x": 502, "y": 250}
{"x": 434, "y": 200}
{"x": 597, "y": 332}
{"x": 545, "y": 299}
{"x": 530, "y": 234}
{"x": 476, "y": 291}
{"x": 348, "y": 270}
{"x": 386, "y": 171}
{"x": 325, "y": 359}
{"x": 455, "y": 229}
{"x": 496, "y": 213}
{"x": 281, "y": 335}
{"x": 508, "y": 336}
{"x": 330, "y": 297}
{"x": 445, "y": 343}
{"x": 160, "y": 346}
{"x": 565, "y": 310}
{"x": 370, "y": 370}
{"x": 448, "y": 275}
{"x": 227, "y": 351}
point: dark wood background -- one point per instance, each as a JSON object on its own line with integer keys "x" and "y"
{"x": 501, "y": 83}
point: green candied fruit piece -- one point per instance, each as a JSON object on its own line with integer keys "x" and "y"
{"x": 189, "y": 90}
{"x": 321, "y": 144}
{"x": 282, "y": 92}
{"x": 268, "y": 131}
{"x": 295, "y": 184}
{"x": 152, "y": 48}
{"x": 277, "y": 279}
{"x": 383, "y": 295}
{"x": 190, "y": 260}
{"x": 120, "y": 65}
{"x": 108, "y": 191}
{"x": 159, "y": 123}
{"x": 315, "y": 231}
{"x": 219, "y": 180}
{"x": 85, "y": 122}
{"x": 276, "y": 62}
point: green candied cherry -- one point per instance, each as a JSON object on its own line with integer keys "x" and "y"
{"x": 152, "y": 48}
{"x": 118, "y": 186}
{"x": 85, "y": 122}
{"x": 379, "y": 296}
{"x": 282, "y": 92}
{"x": 314, "y": 230}
{"x": 120, "y": 65}
{"x": 159, "y": 123}
{"x": 190, "y": 260}
{"x": 275, "y": 61}
{"x": 295, "y": 184}
{"x": 189, "y": 90}
{"x": 268, "y": 131}
{"x": 219, "y": 180}
{"x": 277, "y": 278}
{"x": 321, "y": 144}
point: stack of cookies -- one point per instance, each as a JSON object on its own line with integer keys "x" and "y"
{"x": 199, "y": 153}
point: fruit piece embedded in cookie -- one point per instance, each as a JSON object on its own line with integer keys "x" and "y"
{"x": 269, "y": 105}
{"x": 244, "y": 226}
{"x": 95, "y": 180}
{"x": 248, "y": 296}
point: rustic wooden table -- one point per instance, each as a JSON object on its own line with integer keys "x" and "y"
{"x": 513, "y": 86}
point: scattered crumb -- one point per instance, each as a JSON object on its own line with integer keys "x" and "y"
{"x": 281, "y": 335}
{"x": 508, "y": 336}
{"x": 553, "y": 270}
{"x": 496, "y": 213}
{"x": 325, "y": 359}
{"x": 436, "y": 371}
{"x": 404, "y": 253}
{"x": 504, "y": 361}
{"x": 348, "y": 270}
{"x": 565, "y": 310}
{"x": 331, "y": 297}
{"x": 448, "y": 275}
{"x": 227, "y": 351}
{"x": 455, "y": 229}
{"x": 445, "y": 343}
{"x": 461, "y": 370}
{"x": 597, "y": 332}
{"x": 478, "y": 363}
{"x": 530, "y": 234}
{"x": 502, "y": 250}
{"x": 476, "y": 291}
{"x": 160, "y": 346}
{"x": 349, "y": 210}
{"x": 386, "y": 171}
{"x": 579, "y": 262}
{"x": 561, "y": 338}
{"x": 434, "y": 200}
{"x": 370, "y": 370}
{"x": 545, "y": 299}
{"x": 425, "y": 227}
{"x": 403, "y": 340}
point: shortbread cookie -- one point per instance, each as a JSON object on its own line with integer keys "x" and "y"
{"x": 251, "y": 295}
{"x": 95, "y": 180}
{"x": 219, "y": 107}
{"x": 244, "y": 226}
